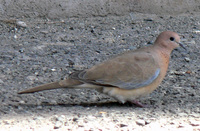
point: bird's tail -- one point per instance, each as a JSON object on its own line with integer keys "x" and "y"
{"x": 67, "y": 83}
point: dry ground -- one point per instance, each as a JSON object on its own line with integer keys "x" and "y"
{"x": 48, "y": 50}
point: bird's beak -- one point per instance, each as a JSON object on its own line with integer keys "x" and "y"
{"x": 182, "y": 45}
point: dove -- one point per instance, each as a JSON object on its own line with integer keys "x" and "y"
{"x": 126, "y": 77}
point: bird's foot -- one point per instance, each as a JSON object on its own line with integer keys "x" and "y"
{"x": 138, "y": 104}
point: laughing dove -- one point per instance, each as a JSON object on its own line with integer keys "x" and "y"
{"x": 126, "y": 77}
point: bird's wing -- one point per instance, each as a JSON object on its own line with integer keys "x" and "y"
{"x": 128, "y": 71}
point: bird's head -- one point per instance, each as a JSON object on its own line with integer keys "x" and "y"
{"x": 168, "y": 40}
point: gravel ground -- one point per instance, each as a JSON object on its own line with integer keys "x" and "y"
{"x": 48, "y": 50}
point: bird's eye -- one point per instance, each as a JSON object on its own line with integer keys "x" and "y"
{"x": 172, "y": 38}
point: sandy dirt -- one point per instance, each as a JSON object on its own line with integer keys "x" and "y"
{"x": 49, "y": 50}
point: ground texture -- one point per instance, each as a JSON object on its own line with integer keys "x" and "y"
{"x": 49, "y": 50}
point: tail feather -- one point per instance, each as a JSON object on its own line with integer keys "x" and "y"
{"x": 67, "y": 83}
{"x": 48, "y": 86}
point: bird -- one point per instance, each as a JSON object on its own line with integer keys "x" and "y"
{"x": 127, "y": 77}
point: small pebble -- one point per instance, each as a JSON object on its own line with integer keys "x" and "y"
{"x": 75, "y": 119}
{"x": 147, "y": 121}
{"x": 44, "y": 31}
{"x": 179, "y": 73}
{"x": 53, "y": 69}
{"x": 187, "y": 59}
{"x": 36, "y": 73}
{"x": 140, "y": 122}
{"x": 21, "y": 50}
{"x": 21, "y": 102}
{"x": 188, "y": 72}
{"x": 15, "y": 36}
{"x": 150, "y": 43}
{"x": 21, "y": 23}
{"x": 181, "y": 125}
{"x": 122, "y": 125}
{"x": 148, "y": 19}
{"x": 196, "y": 31}
{"x": 58, "y": 124}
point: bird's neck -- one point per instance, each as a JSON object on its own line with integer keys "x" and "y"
{"x": 164, "y": 52}
{"x": 164, "y": 56}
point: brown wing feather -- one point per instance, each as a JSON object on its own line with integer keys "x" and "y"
{"x": 131, "y": 67}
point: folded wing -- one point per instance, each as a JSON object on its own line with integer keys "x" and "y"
{"x": 128, "y": 71}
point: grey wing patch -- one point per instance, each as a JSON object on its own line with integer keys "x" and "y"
{"x": 132, "y": 85}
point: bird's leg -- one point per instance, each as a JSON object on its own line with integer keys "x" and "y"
{"x": 137, "y": 103}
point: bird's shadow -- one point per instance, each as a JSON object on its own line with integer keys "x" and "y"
{"x": 103, "y": 104}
